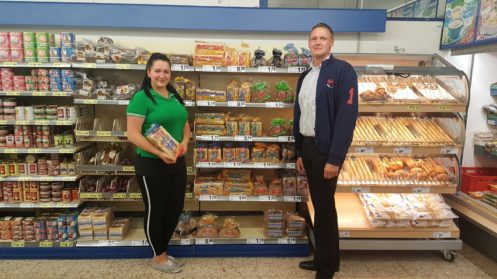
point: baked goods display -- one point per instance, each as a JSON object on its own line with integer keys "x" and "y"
{"x": 187, "y": 225}
{"x": 399, "y": 131}
{"x": 398, "y": 171}
{"x": 488, "y": 196}
{"x": 107, "y": 154}
{"x": 431, "y": 88}
{"x": 407, "y": 210}
{"x": 96, "y": 88}
{"x": 94, "y": 223}
{"x": 278, "y": 224}
{"x": 244, "y": 152}
{"x": 109, "y": 184}
{"x": 207, "y": 226}
{"x": 185, "y": 87}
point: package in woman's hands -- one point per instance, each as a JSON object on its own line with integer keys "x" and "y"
{"x": 161, "y": 139}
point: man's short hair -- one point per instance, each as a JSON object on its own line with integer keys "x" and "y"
{"x": 323, "y": 25}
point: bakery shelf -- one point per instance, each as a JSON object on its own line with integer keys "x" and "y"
{"x": 242, "y": 69}
{"x": 113, "y": 66}
{"x": 245, "y": 138}
{"x": 86, "y": 133}
{"x": 393, "y": 107}
{"x": 40, "y": 205}
{"x": 40, "y": 244}
{"x": 38, "y": 122}
{"x": 35, "y": 65}
{"x": 243, "y": 104}
{"x": 36, "y": 93}
{"x": 405, "y": 149}
{"x": 238, "y": 165}
{"x": 101, "y": 102}
{"x": 352, "y": 223}
{"x": 53, "y": 150}
{"x": 245, "y": 198}
{"x": 364, "y": 187}
{"x": 39, "y": 178}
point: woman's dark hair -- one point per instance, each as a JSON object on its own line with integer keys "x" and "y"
{"x": 146, "y": 85}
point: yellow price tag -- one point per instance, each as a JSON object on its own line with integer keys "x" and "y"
{"x": 66, "y": 150}
{"x": 58, "y": 64}
{"x": 38, "y": 93}
{"x": 91, "y": 195}
{"x": 22, "y": 122}
{"x": 23, "y": 178}
{"x": 10, "y": 150}
{"x": 46, "y": 204}
{"x": 46, "y": 244}
{"x": 414, "y": 108}
{"x": 135, "y": 195}
{"x": 13, "y": 93}
{"x": 17, "y": 244}
{"x": 123, "y": 66}
{"x": 119, "y": 195}
{"x": 3, "y": 122}
{"x": 64, "y": 122}
{"x": 35, "y": 150}
{"x": 9, "y": 64}
{"x": 83, "y": 133}
{"x": 89, "y": 65}
{"x": 188, "y": 195}
{"x": 90, "y": 102}
{"x": 445, "y": 108}
{"x": 60, "y": 94}
{"x": 129, "y": 168}
{"x": 104, "y": 133}
{"x": 66, "y": 244}
{"x": 42, "y": 122}
{"x": 35, "y": 64}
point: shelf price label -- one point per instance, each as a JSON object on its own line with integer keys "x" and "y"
{"x": 286, "y": 139}
{"x": 135, "y": 195}
{"x": 442, "y": 235}
{"x": 209, "y": 165}
{"x": 206, "y": 103}
{"x": 290, "y": 165}
{"x": 292, "y": 198}
{"x": 361, "y": 190}
{"x": 296, "y": 69}
{"x": 90, "y": 102}
{"x": 46, "y": 205}
{"x": 129, "y": 168}
{"x": 448, "y": 150}
{"x": 123, "y": 102}
{"x": 209, "y": 138}
{"x": 181, "y": 67}
{"x": 26, "y": 205}
{"x": 142, "y": 242}
{"x": 243, "y": 138}
{"x": 233, "y": 164}
{"x": 402, "y": 150}
{"x": 66, "y": 244}
{"x": 256, "y": 241}
{"x": 38, "y": 93}
{"x": 89, "y": 65}
{"x": 236, "y": 69}
{"x": 413, "y": 108}
{"x": 185, "y": 241}
{"x": 238, "y": 198}
{"x": 267, "y": 198}
{"x": 208, "y": 198}
{"x": 204, "y": 241}
{"x": 211, "y": 68}
{"x": 287, "y": 240}
{"x": 26, "y": 122}
{"x": 10, "y": 150}
{"x": 189, "y": 103}
{"x": 17, "y": 244}
{"x": 238, "y": 104}
{"x": 9, "y": 64}
{"x": 421, "y": 190}
{"x": 45, "y": 244}
{"x": 82, "y": 133}
{"x": 275, "y": 104}
{"x": 91, "y": 195}
{"x": 364, "y": 150}
{"x": 108, "y": 242}
{"x": 13, "y": 93}
{"x": 61, "y": 94}
{"x": 123, "y": 66}
{"x": 3, "y": 122}
{"x": 104, "y": 133}
{"x": 266, "y": 69}
{"x": 119, "y": 196}
{"x": 35, "y": 64}
{"x": 262, "y": 165}
{"x": 445, "y": 108}
{"x": 344, "y": 234}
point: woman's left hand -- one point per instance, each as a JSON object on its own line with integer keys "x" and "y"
{"x": 183, "y": 148}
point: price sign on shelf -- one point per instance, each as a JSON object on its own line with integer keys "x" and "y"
{"x": 189, "y": 103}
{"x": 402, "y": 150}
{"x": 208, "y": 198}
{"x": 17, "y": 244}
{"x": 448, "y": 150}
{"x": 129, "y": 168}
{"x": 262, "y": 165}
{"x": 421, "y": 190}
{"x": 104, "y": 133}
{"x": 360, "y": 190}
{"x": 266, "y": 69}
{"x": 239, "y": 104}
{"x": 238, "y": 198}
{"x": 296, "y": 69}
{"x": 66, "y": 244}
{"x": 82, "y": 133}
{"x": 267, "y": 198}
{"x": 26, "y": 205}
{"x": 142, "y": 242}
{"x": 9, "y": 64}
{"x": 209, "y": 68}
{"x": 204, "y": 241}
{"x": 442, "y": 235}
{"x": 89, "y": 65}
{"x": 236, "y": 69}
{"x": 290, "y": 165}
{"x": 123, "y": 66}
{"x": 119, "y": 196}
{"x": 185, "y": 241}
{"x": 206, "y": 103}
{"x": 135, "y": 195}
{"x": 344, "y": 234}
{"x": 90, "y": 102}
{"x": 414, "y": 108}
{"x": 180, "y": 67}
{"x": 13, "y": 93}
{"x": 243, "y": 138}
{"x": 255, "y": 241}
{"x": 292, "y": 198}
{"x": 45, "y": 244}
{"x": 364, "y": 150}
{"x": 35, "y": 64}
{"x": 275, "y": 104}
{"x": 444, "y": 108}
{"x": 108, "y": 242}
{"x": 38, "y": 93}
{"x": 287, "y": 240}
{"x": 286, "y": 139}
{"x": 123, "y": 102}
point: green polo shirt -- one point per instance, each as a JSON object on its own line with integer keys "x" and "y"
{"x": 167, "y": 112}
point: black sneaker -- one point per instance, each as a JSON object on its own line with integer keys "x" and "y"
{"x": 308, "y": 265}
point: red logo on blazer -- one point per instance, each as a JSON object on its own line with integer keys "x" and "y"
{"x": 350, "y": 101}
{"x": 330, "y": 83}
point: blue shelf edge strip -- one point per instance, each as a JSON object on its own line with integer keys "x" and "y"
{"x": 295, "y": 250}
{"x": 134, "y": 16}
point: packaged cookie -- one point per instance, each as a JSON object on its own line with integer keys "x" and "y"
{"x": 258, "y": 59}
{"x": 201, "y": 153}
{"x": 289, "y": 185}
{"x": 244, "y": 127}
{"x": 291, "y": 58}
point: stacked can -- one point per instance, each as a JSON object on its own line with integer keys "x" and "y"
{"x": 19, "y": 83}
{"x": 5, "y": 228}
{"x": 42, "y": 79}
{"x": 8, "y": 109}
{"x": 17, "y": 192}
{"x": 45, "y": 192}
{"x": 7, "y": 192}
{"x": 57, "y": 191}
{"x": 40, "y": 229}
{"x": 4, "y": 47}
{"x": 7, "y": 79}
{"x": 67, "y": 43}
{"x": 52, "y": 231}
{"x": 16, "y": 226}
{"x": 28, "y": 229}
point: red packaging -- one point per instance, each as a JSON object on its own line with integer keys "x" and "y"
{"x": 6, "y": 72}
{"x": 15, "y": 39}
{"x": 4, "y": 40}
{"x": 17, "y": 54}
{"x": 5, "y": 55}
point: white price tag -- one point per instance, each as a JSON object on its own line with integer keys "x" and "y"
{"x": 185, "y": 241}
{"x": 262, "y": 165}
{"x": 275, "y": 104}
{"x": 2, "y": 204}
{"x": 108, "y": 242}
{"x": 448, "y": 150}
{"x": 180, "y": 67}
{"x": 142, "y": 242}
{"x": 189, "y": 103}
{"x": 204, "y": 241}
{"x": 421, "y": 190}
{"x": 266, "y": 69}
{"x": 209, "y": 138}
{"x": 26, "y": 205}
{"x": 236, "y": 69}
{"x": 387, "y": 67}
{"x": 238, "y": 198}
{"x": 290, "y": 165}
{"x": 267, "y": 198}
{"x": 255, "y": 240}
{"x": 286, "y": 139}
{"x": 208, "y": 198}
{"x": 360, "y": 190}
{"x": 243, "y": 138}
{"x": 123, "y": 102}
{"x": 287, "y": 240}
{"x": 292, "y": 198}
{"x": 296, "y": 69}
{"x": 238, "y": 104}
{"x": 209, "y": 68}
{"x": 206, "y": 103}
{"x": 344, "y": 234}
{"x": 442, "y": 235}
{"x": 364, "y": 150}
{"x": 402, "y": 150}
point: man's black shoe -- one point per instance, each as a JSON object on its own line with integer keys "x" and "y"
{"x": 307, "y": 265}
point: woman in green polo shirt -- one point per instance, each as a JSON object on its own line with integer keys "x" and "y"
{"x": 162, "y": 179}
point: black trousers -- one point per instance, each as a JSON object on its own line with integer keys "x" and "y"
{"x": 326, "y": 257}
{"x": 164, "y": 198}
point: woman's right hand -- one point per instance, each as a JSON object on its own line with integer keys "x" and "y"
{"x": 166, "y": 158}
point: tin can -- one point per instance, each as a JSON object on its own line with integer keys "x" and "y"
{"x": 15, "y": 39}
{"x": 63, "y": 168}
{"x": 9, "y": 102}
{"x": 50, "y": 168}
{"x": 45, "y": 141}
{"x": 42, "y": 38}
{"x": 43, "y": 86}
{"x": 13, "y": 170}
{"x": 61, "y": 113}
{"x": 42, "y": 54}
{"x": 20, "y": 113}
{"x": 18, "y": 130}
{"x": 5, "y": 55}
{"x": 45, "y": 130}
{"x": 66, "y": 195}
{"x": 4, "y": 40}
{"x": 23, "y": 169}
{"x": 30, "y": 53}
{"x": 3, "y": 169}
{"x": 30, "y": 79}
{"x": 67, "y": 73}
{"x": 29, "y": 38}
{"x": 51, "y": 110}
{"x": 58, "y": 140}
{"x": 19, "y": 87}
{"x": 31, "y": 87}
{"x": 75, "y": 194}
{"x": 68, "y": 140}
{"x": 44, "y": 73}
{"x": 68, "y": 87}
{"x": 27, "y": 141}
{"x": 35, "y": 194}
{"x": 16, "y": 54}
{"x": 9, "y": 140}
{"x": 54, "y": 73}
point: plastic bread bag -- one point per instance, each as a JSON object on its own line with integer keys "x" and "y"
{"x": 273, "y": 153}
{"x": 276, "y": 60}
{"x": 244, "y": 58}
{"x": 180, "y": 86}
{"x": 162, "y": 140}
{"x": 85, "y": 45}
{"x": 278, "y": 127}
{"x": 289, "y": 185}
{"x": 275, "y": 187}
{"x": 230, "y": 228}
{"x": 122, "y": 55}
{"x": 259, "y": 152}
{"x": 181, "y": 59}
{"x": 256, "y": 127}
{"x": 201, "y": 153}
{"x": 260, "y": 93}
{"x": 302, "y": 186}
{"x": 229, "y": 153}
{"x": 305, "y": 57}
{"x": 210, "y": 95}
{"x": 215, "y": 153}
{"x": 291, "y": 58}
{"x": 245, "y": 92}
{"x": 126, "y": 91}
{"x": 294, "y": 221}
{"x": 210, "y": 118}
{"x": 232, "y": 89}
{"x": 231, "y": 128}
{"x": 258, "y": 59}
{"x": 237, "y": 175}
{"x": 244, "y": 128}
{"x": 288, "y": 153}
{"x": 202, "y": 129}
{"x": 186, "y": 226}
{"x": 242, "y": 153}
{"x": 143, "y": 56}
{"x": 238, "y": 188}
{"x": 283, "y": 92}
{"x": 260, "y": 186}
{"x": 231, "y": 57}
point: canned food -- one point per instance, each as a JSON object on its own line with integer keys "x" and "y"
{"x": 45, "y": 130}
{"x": 29, "y": 38}
{"x": 71, "y": 113}
{"x": 51, "y": 110}
{"x": 42, "y": 38}
{"x": 31, "y": 87}
{"x": 15, "y": 39}
{"x": 55, "y": 86}
{"x": 59, "y": 140}
{"x": 14, "y": 169}
{"x": 19, "y": 141}
{"x": 43, "y": 73}
{"x": 66, "y": 54}
{"x": 18, "y": 130}
{"x": 9, "y": 140}
{"x": 64, "y": 168}
{"x": 17, "y": 54}
{"x": 9, "y": 102}
{"x": 66, "y": 195}
{"x": 4, "y": 40}
{"x": 68, "y": 140}
{"x": 27, "y": 141}
{"x": 45, "y": 140}
{"x": 29, "y": 113}
{"x": 54, "y": 72}
{"x": 75, "y": 194}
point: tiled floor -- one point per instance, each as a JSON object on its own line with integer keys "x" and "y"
{"x": 365, "y": 264}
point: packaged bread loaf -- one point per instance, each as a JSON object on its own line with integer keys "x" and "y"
{"x": 161, "y": 139}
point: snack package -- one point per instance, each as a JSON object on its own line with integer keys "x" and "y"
{"x": 245, "y": 92}
{"x": 186, "y": 225}
{"x": 283, "y": 92}
{"x": 161, "y": 139}
{"x": 289, "y": 185}
{"x": 208, "y": 186}
{"x": 277, "y": 127}
{"x": 260, "y": 186}
{"x": 201, "y": 153}
{"x": 215, "y": 154}
{"x": 291, "y": 58}
{"x": 207, "y": 226}
{"x": 259, "y": 152}
{"x": 273, "y": 153}
{"x": 242, "y": 154}
{"x": 232, "y": 89}
{"x": 302, "y": 186}
{"x": 201, "y": 129}
{"x": 305, "y": 57}
{"x": 229, "y": 153}
{"x": 256, "y": 127}
{"x": 231, "y": 127}
{"x": 260, "y": 93}
{"x": 210, "y": 118}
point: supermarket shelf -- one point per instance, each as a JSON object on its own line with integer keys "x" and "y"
{"x": 114, "y": 66}
{"x": 53, "y": 150}
{"x": 379, "y": 188}
{"x": 87, "y": 133}
{"x": 388, "y": 107}
{"x": 238, "y": 165}
{"x": 101, "y": 102}
{"x": 242, "y": 69}
{"x": 39, "y": 178}
{"x": 352, "y": 223}
{"x": 87, "y": 196}
{"x": 404, "y": 244}
{"x": 243, "y": 104}
{"x": 404, "y": 149}
{"x": 98, "y": 169}
{"x": 479, "y": 213}
{"x": 35, "y": 65}
{"x": 245, "y": 198}
{"x": 36, "y": 93}
{"x": 38, "y": 122}
{"x": 40, "y": 205}
{"x": 40, "y": 244}
{"x": 245, "y": 138}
